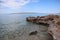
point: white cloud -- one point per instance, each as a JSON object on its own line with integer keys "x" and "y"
{"x": 14, "y": 3}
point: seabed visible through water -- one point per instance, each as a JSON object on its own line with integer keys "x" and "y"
{"x": 15, "y": 27}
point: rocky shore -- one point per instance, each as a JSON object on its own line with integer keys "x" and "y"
{"x": 53, "y": 22}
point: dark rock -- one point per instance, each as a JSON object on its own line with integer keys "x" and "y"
{"x": 33, "y": 33}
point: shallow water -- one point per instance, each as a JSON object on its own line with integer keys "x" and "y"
{"x": 15, "y": 27}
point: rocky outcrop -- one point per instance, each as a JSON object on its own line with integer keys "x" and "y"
{"x": 52, "y": 20}
{"x": 54, "y": 29}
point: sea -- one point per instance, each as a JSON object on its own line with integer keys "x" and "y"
{"x": 15, "y": 27}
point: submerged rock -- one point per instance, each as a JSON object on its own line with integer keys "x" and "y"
{"x": 52, "y": 20}
{"x": 33, "y": 33}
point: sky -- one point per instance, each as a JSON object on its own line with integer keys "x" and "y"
{"x": 39, "y": 6}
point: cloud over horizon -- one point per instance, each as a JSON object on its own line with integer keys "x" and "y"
{"x": 15, "y": 4}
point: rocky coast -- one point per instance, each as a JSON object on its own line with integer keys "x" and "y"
{"x": 53, "y": 22}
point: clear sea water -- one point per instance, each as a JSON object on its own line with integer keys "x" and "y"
{"x": 15, "y": 27}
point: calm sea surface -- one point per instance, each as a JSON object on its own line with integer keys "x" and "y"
{"x": 15, "y": 27}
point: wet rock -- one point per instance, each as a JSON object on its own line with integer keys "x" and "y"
{"x": 33, "y": 33}
{"x": 31, "y": 19}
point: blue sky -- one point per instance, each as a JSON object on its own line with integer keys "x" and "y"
{"x": 40, "y": 6}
